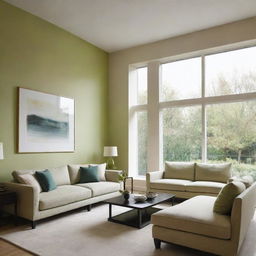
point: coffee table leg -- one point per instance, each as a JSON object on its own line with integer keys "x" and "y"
{"x": 110, "y": 211}
{"x": 139, "y": 218}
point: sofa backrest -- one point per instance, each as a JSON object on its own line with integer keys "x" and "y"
{"x": 242, "y": 214}
{"x": 179, "y": 170}
{"x": 213, "y": 172}
{"x": 74, "y": 172}
{"x": 60, "y": 174}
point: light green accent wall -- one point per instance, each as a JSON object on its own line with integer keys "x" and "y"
{"x": 38, "y": 55}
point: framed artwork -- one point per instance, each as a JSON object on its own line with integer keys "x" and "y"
{"x": 46, "y": 122}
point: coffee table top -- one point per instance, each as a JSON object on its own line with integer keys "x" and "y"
{"x": 131, "y": 203}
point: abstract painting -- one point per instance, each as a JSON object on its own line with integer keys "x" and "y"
{"x": 46, "y": 122}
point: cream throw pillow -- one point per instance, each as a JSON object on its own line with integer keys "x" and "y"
{"x": 101, "y": 170}
{"x": 224, "y": 201}
{"x": 247, "y": 180}
{"x": 29, "y": 179}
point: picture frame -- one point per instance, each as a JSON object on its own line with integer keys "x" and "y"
{"x": 46, "y": 122}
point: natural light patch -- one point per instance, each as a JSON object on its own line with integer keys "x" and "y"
{"x": 142, "y": 131}
{"x": 231, "y": 135}
{"x": 181, "y": 80}
{"x": 142, "y": 85}
{"x": 231, "y": 72}
{"x": 181, "y": 134}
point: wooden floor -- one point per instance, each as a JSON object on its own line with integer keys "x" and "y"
{"x": 9, "y": 249}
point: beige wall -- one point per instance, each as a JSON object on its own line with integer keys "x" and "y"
{"x": 40, "y": 56}
{"x": 228, "y": 34}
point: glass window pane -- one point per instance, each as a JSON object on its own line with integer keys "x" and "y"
{"x": 231, "y": 135}
{"x": 142, "y": 126}
{"x": 182, "y": 134}
{"x": 181, "y": 80}
{"x": 142, "y": 89}
{"x": 231, "y": 72}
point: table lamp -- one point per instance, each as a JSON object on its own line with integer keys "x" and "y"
{"x": 110, "y": 152}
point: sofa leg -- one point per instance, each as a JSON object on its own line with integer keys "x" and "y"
{"x": 89, "y": 207}
{"x": 33, "y": 224}
{"x": 157, "y": 243}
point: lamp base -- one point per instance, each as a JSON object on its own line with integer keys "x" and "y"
{"x": 111, "y": 164}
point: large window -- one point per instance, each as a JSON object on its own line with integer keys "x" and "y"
{"x": 206, "y": 111}
{"x": 139, "y": 122}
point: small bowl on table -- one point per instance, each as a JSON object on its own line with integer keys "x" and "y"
{"x": 151, "y": 195}
{"x": 139, "y": 198}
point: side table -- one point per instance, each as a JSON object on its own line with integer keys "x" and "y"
{"x": 131, "y": 183}
{"x": 9, "y": 197}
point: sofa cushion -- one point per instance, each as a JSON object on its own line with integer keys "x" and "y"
{"x": 29, "y": 179}
{"x": 74, "y": 173}
{"x": 213, "y": 172}
{"x": 179, "y": 170}
{"x": 247, "y": 180}
{"x": 205, "y": 187}
{"x": 89, "y": 174}
{"x": 45, "y": 180}
{"x": 62, "y": 195}
{"x": 195, "y": 216}
{"x": 101, "y": 170}
{"x": 170, "y": 184}
{"x": 16, "y": 173}
{"x": 101, "y": 188}
{"x": 226, "y": 197}
{"x": 60, "y": 175}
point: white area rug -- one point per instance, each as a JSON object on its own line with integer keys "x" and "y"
{"x": 83, "y": 233}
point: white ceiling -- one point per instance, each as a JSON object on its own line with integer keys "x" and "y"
{"x": 118, "y": 24}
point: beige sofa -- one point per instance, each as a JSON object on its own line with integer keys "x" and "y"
{"x": 186, "y": 180}
{"x": 194, "y": 224}
{"x": 69, "y": 194}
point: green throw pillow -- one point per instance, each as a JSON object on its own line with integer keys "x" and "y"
{"x": 89, "y": 174}
{"x": 45, "y": 180}
{"x": 224, "y": 201}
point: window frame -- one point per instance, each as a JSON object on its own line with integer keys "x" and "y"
{"x": 154, "y": 106}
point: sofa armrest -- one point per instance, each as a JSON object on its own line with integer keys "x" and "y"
{"x": 151, "y": 176}
{"x": 113, "y": 175}
{"x": 27, "y": 199}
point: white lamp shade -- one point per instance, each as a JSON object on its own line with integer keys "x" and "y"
{"x": 110, "y": 151}
{"x": 1, "y": 151}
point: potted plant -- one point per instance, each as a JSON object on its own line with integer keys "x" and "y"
{"x": 125, "y": 193}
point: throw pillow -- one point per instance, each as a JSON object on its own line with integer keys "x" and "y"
{"x": 101, "y": 170}
{"x": 45, "y": 180}
{"x": 29, "y": 179}
{"x": 247, "y": 180}
{"x": 224, "y": 201}
{"x": 89, "y": 174}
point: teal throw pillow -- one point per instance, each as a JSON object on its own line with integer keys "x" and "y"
{"x": 89, "y": 174}
{"x": 45, "y": 180}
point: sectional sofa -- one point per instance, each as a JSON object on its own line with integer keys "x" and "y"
{"x": 194, "y": 224}
{"x": 34, "y": 205}
{"x": 186, "y": 180}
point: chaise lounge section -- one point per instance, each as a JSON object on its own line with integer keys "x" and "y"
{"x": 194, "y": 224}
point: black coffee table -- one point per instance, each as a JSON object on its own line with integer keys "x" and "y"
{"x": 140, "y": 214}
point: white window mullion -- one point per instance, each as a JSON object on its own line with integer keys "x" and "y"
{"x": 204, "y": 122}
{"x": 153, "y": 117}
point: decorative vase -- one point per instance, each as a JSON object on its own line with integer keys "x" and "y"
{"x": 126, "y": 196}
